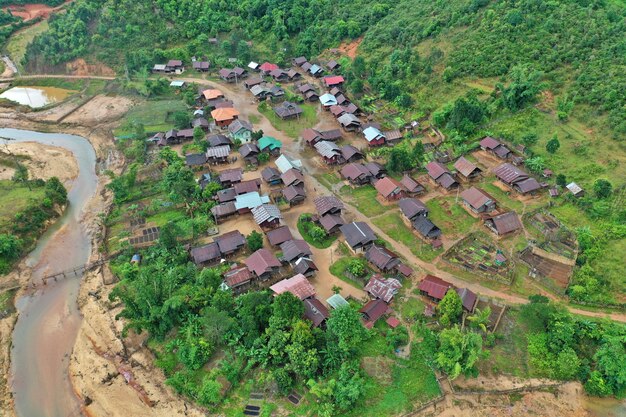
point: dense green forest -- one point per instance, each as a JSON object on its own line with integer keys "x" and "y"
{"x": 578, "y": 46}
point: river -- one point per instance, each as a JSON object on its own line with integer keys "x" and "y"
{"x": 49, "y": 317}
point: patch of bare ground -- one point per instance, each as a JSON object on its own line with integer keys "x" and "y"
{"x": 350, "y": 48}
{"x": 100, "y": 109}
{"x": 43, "y": 162}
{"x": 566, "y": 400}
{"x": 80, "y": 67}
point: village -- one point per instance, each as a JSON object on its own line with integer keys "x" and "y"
{"x": 337, "y": 226}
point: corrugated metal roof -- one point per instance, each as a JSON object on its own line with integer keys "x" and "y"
{"x": 268, "y": 142}
{"x": 336, "y": 301}
{"x": 298, "y": 285}
{"x": 328, "y": 100}
{"x": 250, "y": 200}
{"x": 284, "y": 164}
{"x": 266, "y": 212}
{"x": 327, "y": 149}
{"x": 218, "y": 152}
{"x": 371, "y": 133}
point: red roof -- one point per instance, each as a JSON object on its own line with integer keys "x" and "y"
{"x": 393, "y": 322}
{"x": 333, "y": 80}
{"x": 266, "y": 66}
{"x": 435, "y": 287}
{"x": 387, "y": 186}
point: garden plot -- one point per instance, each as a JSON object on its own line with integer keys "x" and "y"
{"x": 553, "y": 236}
{"x": 477, "y": 254}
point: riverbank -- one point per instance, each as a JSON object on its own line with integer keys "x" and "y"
{"x": 42, "y": 161}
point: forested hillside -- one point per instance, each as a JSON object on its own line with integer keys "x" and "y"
{"x": 579, "y": 46}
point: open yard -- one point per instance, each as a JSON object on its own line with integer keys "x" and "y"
{"x": 450, "y": 217}
{"x": 155, "y": 115}
{"x": 293, "y": 127}
{"x": 364, "y": 198}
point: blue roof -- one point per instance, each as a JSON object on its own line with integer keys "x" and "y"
{"x": 371, "y": 133}
{"x": 328, "y": 99}
{"x": 177, "y": 83}
{"x": 336, "y": 301}
{"x": 250, "y": 200}
{"x": 315, "y": 68}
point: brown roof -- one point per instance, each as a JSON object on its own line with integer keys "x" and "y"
{"x": 326, "y": 203}
{"x": 226, "y": 195}
{"x": 405, "y": 270}
{"x": 465, "y": 167}
{"x": 279, "y": 235}
{"x": 292, "y": 176}
{"x": 374, "y": 309}
{"x": 476, "y": 197}
{"x": 354, "y": 171}
{"x": 489, "y": 143}
{"x": 224, "y": 209}
{"x": 231, "y": 175}
{"x": 294, "y": 191}
{"x": 383, "y": 288}
{"x": 411, "y": 207}
{"x": 247, "y": 186}
{"x": 294, "y": 249}
{"x": 436, "y": 169}
{"x": 237, "y": 275}
{"x": 310, "y": 135}
{"x": 358, "y": 234}
{"x": 270, "y": 174}
{"x": 505, "y": 223}
{"x": 393, "y": 134}
{"x": 509, "y": 173}
{"x": 468, "y": 298}
{"x": 435, "y": 287}
{"x": 330, "y": 221}
{"x": 230, "y": 241}
{"x": 387, "y": 186}
{"x": 205, "y": 253}
{"x": 528, "y": 185}
{"x": 382, "y": 258}
{"x": 315, "y": 311}
{"x": 262, "y": 261}
{"x": 298, "y": 285}
{"x": 410, "y": 184}
{"x": 348, "y": 151}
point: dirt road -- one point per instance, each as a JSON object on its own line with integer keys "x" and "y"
{"x": 247, "y": 106}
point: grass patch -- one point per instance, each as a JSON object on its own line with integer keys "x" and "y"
{"x": 412, "y": 308}
{"x": 293, "y": 127}
{"x": 364, "y": 198}
{"x": 254, "y": 119}
{"x": 450, "y": 216}
{"x": 328, "y": 179}
{"x": 16, "y": 46}
{"x": 504, "y": 200}
{"x": 393, "y": 225}
{"x": 510, "y": 354}
{"x": 155, "y": 115}
{"x": 319, "y": 244}
{"x": 15, "y": 197}
{"x": 339, "y": 269}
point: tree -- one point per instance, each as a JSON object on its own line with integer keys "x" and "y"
{"x": 418, "y": 152}
{"x": 255, "y": 241}
{"x": 529, "y": 139}
{"x": 10, "y": 246}
{"x": 458, "y": 352}
{"x": 317, "y": 233}
{"x": 480, "y": 319}
{"x": 523, "y": 89}
{"x": 450, "y": 308}
{"x": 182, "y": 120}
{"x": 561, "y": 180}
{"x": 535, "y": 164}
{"x": 345, "y": 332}
{"x": 20, "y": 174}
{"x": 553, "y": 144}
{"x": 287, "y": 307}
{"x": 356, "y": 267}
{"x": 263, "y": 158}
{"x": 602, "y": 188}
{"x": 210, "y": 392}
{"x": 257, "y": 134}
{"x": 611, "y": 357}
{"x": 198, "y": 134}
{"x": 400, "y": 160}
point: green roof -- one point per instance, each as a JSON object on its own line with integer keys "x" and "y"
{"x": 269, "y": 142}
{"x": 336, "y": 301}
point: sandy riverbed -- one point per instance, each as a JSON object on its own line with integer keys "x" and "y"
{"x": 44, "y": 161}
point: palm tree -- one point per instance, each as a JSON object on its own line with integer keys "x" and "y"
{"x": 480, "y": 319}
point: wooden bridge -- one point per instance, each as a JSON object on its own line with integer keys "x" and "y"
{"x": 73, "y": 272}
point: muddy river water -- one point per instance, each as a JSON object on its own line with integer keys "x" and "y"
{"x": 49, "y": 317}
